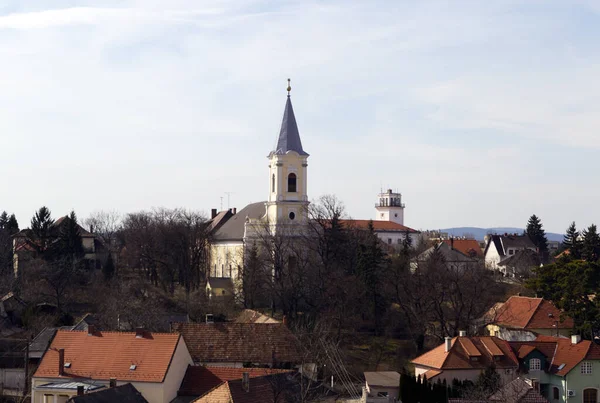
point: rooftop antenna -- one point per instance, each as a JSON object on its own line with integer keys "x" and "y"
{"x": 228, "y": 197}
{"x": 289, "y": 87}
{"x": 221, "y": 203}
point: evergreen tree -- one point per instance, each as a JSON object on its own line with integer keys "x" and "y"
{"x": 3, "y": 220}
{"x": 590, "y": 248}
{"x": 12, "y": 225}
{"x": 406, "y": 244}
{"x": 39, "y": 235}
{"x": 370, "y": 268}
{"x": 69, "y": 243}
{"x": 571, "y": 241}
{"x": 109, "y": 268}
{"x": 536, "y": 233}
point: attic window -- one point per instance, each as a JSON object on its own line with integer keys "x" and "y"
{"x": 132, "y": 367}
{"x": 474, "y": 358}
{"x": 67, "y": 365}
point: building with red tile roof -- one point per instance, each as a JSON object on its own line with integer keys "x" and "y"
{"x": 468, "y": 247}
{"x": 523, "y": 318}
{"x": 465, "y": 358}
{"x": 155, "y": 363}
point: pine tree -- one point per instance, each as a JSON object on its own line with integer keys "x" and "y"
{"x": 109, "y": 268}
{"x": 40, "y": 230}
{"x": 3, "y": 220}
{"x": 571, "y": 241}
{"x": 69, "y": 244}
{"x": 590, "y": 248}
{"x": 536, "y": 233}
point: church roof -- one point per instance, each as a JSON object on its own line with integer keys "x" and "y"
{"x": 233, "y": 229}
{"x": 289, "y": 137}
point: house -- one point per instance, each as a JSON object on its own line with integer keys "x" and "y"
{"x": 445, "y": 254}
{"x": 126, "y": 393}
{"x": 390, "y": 233}
{"x": 500, "y": 247}
{"x": 565, "y": 369}
{"x": 236, "y": 344}
{"x": 219, "y": 287}
{"x": 12, "y": 367}
{"x": 382, "y": 384}
{"x": 520, "y": 390}
{"x": 252, "y": 316}
{"x": 520, "y": 264}
{"x": 23, "y": 251}
{"x": 154, "y": 363}
{"x": 464, "y": 358}
{"x": 523, "y": 318}
{"x": 468, "y": 247}
{"x": 199, "y": 380}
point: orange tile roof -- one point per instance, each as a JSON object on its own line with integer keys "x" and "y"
{"x": 530, "y": 313}
{"x": 261, "y": 389}
{"x": 108, "y": 355}
{"x": 432, "y": 373}
{"x": 468, "y": 247}
{"x": 491, "y": 347}
{"x": 200, "y": 379}
{"x": 377, "y": 225}
{"x": 461, "y": 351}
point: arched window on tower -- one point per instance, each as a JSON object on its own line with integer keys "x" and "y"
{"x": 292, "y": 183}
{"x": 273, "y": 183}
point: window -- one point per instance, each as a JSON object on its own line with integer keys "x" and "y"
{"x": 555, "y": 393}
{"x": 389, "y": 241}
{"x": 399, "y": 241}
{"x": 382, "y": 394}
{"x": 292, "y": 215}
{"x": 381, "y": 215}
{"x": 273, "y": 183}
{"x": 535, "y": 364}
{"x": 230, "y": 276}
{"x": 222, "y": 270}
{"x": 511, "y": 251}
{"x": 396, "y": 215}
{"x": 586, "y": 368}
{"x": 590, "y": 396}
{"x": 292, "y": 183}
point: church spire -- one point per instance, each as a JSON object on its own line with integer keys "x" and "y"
{"x": 289, "y": 137}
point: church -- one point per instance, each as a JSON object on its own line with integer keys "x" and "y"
{"x": 285, "y": 211}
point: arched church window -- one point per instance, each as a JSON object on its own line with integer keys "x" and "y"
{"x": 292, "y": 183}
{"x": 273, "y": 183}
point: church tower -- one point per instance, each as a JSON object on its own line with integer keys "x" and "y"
{"x": 390, "y": 207}
{"x": 288, "y": 200}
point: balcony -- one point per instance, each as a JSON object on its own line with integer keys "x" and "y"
{"x": 389, "y": 205}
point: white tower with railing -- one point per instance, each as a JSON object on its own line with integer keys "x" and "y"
{"x": 390, "y": 208}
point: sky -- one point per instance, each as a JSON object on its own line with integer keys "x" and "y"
{"x": 480, "y": 113}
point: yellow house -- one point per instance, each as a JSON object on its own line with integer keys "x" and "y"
{"x": 154, "y": 363}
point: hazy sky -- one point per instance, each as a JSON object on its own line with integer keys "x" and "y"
{"x": 480, "y": 112}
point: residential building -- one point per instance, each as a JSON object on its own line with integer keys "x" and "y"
{"x": 464, "y": 358}
{"x": 500, "y": 247}
{"x": 252, "y": 316}
{"x": 23, "y": 251}
{"x": 126, "y": 393}
{"x": 444, "y": 253}
{"x": 154, "y": 363}
{"x": 566, "y": 369}
{"x": 219, "y": 287}
{"x": 520, "y": 390}
{"x": 468, "y": 247}
{"x": 272, "y": 388}
{"x": 236, "y": 344}
{"x": 524, "y": 318}
{"x": 382, "y": 386}
{"x": 520, "y": 264}
{"x": 199, "y": 380}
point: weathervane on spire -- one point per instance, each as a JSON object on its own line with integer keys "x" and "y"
{"x": 289, "y": 87}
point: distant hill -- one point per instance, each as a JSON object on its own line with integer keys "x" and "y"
{"x": 479, "y": 233}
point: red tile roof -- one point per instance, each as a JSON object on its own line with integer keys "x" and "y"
{"x": 108, "y": 355}
{"x": 530, "y": 313}
{"x": 261, "y": 389}
{"x": 468, "y": 247}
{"x": 469, "y": 353}
{"x": 260, "y": 343}
{"x": 200, "y": 379}
{"x": 382, "y": 226}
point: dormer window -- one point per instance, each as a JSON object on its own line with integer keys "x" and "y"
{"x": 292, "y": 183}
{"x": 535, "y": 364}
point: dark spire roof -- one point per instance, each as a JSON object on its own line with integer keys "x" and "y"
{"x": 289, "y": 137}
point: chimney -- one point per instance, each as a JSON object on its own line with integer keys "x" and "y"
{"x": 575, "y": 339}
{"x": 246, "y": 381}
{"x": 112, "y": 382}
{"x": 452, "y": 242}
{"x": 213, "y": 213}
{"x": 448, "y": 342}
{"x": 139, "y": 332}
{"x": 234, "y": 210}
{"x": 61, "y": 361}
{"x": 91, "y": 330}
{"x": 285, "y": 320}
{"x": 91, "y": 228}
{"x": 79, "y": 390}
{"x": 462, "y": 333}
